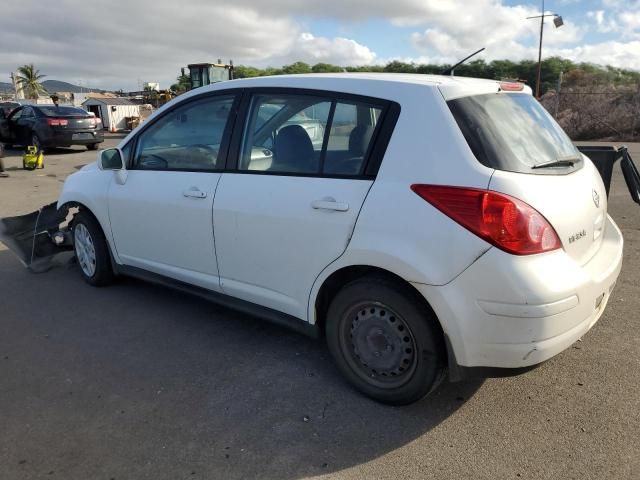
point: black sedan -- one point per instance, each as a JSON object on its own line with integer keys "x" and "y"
{"x": 49, "y": 126}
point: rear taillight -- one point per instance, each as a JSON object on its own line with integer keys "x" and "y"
{"x": 504, "y": 221}
{"x": 57, "y": 122}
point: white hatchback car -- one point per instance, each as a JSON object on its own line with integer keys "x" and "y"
{"x": 423, "y": 224}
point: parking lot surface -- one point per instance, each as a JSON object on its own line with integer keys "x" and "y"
{"x": 135, "y": 381}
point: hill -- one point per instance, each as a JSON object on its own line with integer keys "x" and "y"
{"x": 53, "y": 86}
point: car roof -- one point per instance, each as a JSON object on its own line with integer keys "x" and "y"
{"x": 449, "y": 86}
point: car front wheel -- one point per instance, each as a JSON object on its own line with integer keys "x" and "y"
{"x": 92, "y": 251}
{"x": 35, "y": 141}
{"x": 92, "y": 146}
{"x": 385, "y": 341}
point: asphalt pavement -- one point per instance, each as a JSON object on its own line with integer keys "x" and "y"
{"x": 135, "y": 381}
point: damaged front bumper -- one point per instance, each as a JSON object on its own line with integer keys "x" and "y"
{"x": 39, "y": 236}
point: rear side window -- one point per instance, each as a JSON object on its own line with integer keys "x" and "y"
{"x": 513, "y": 132}
{"x": 350, "y": 137}
{"x": 306, "y": 134}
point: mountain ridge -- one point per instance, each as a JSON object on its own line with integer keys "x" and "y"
{"x": 53, "y": 86}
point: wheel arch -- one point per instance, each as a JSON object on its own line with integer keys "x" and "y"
{"x": 334, "y": 281}
{"x": 70, "y": 204}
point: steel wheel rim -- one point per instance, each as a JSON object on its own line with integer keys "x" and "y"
{"x": 379, "y": 346}
{"x": 85, "y": 250}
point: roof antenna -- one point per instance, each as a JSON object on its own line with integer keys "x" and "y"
{"x": 449, "y": 71}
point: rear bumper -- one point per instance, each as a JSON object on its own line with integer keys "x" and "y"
{"x": 514, "y": 312}
{"x": 64, "y": 139}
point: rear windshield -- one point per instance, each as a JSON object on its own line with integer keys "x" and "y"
{"x": 54, "y": 111}
{"x": 513, "y": 132}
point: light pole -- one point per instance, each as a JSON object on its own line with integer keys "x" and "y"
{"x": 557, "y": 21}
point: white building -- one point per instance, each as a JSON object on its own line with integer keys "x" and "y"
{"x": 112, "y": 111}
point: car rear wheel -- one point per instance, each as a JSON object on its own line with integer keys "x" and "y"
{"x": 92, "y": 146}
{"x": 92, "y": 251}
{"x": 385, "y": 341}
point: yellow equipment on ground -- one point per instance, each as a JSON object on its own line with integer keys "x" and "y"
{"x": 33, "y": 158}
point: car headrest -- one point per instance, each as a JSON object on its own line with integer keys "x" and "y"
{"x": 293, "y": 150}
{"x": 359, "y": 140}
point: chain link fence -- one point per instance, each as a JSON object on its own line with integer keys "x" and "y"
{"x": 605, "y": 112}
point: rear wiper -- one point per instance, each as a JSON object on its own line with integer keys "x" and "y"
{"x": 561, "y": 162}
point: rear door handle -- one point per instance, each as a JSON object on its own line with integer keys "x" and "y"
{"x": 330, "y": 205}
{"x": 194, "y": 192}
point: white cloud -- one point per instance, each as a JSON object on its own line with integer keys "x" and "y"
{"x": 144, "y": 40}
{"x": 630, "y": 20}
{"x": 115, "y": 44}
{"x": 338, "y": 51}
{"x": 614, "y": 53}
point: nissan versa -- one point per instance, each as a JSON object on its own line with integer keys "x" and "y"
{"x": 422, "y": 224}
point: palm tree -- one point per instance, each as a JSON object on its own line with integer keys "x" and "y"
{"x": 29, "y": 81}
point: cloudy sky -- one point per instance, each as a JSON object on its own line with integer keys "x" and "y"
{"x": 119, "y": 44}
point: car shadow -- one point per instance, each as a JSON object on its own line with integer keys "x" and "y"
{"x": 139, "y": 380}
{"x": 19, "y": 151}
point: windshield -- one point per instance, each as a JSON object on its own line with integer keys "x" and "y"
{"x": 53, "y": 111}
{"x": 513, "y": 132}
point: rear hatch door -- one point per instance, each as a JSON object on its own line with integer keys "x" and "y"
{"x": 536, "y": 162}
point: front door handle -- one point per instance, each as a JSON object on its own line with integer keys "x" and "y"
{"x": 329, "y": 204}
{"x": 194, "y": 192}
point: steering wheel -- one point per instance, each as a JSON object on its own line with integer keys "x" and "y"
{"x": 152, "y": 161}
{"x": 199, "y": 149}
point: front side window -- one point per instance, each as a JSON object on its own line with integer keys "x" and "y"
{"x": 307, "y": 134}
{"x": 187, "y": 138}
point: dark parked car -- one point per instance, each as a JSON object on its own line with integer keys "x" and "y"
{"x": 48, "y": 126}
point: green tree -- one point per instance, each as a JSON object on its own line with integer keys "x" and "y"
{"x": 28, "y": 79}
{"x": 242, "y": 71}
{"x": 400, "y": 67}
{"x": 182, "y": 85}
{"x": 298, "y": 67}
{"x": 325, "y": 68}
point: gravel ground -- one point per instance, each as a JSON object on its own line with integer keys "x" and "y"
{"x": 136, "y": 381}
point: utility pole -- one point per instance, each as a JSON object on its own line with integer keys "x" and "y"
{"x": 557, "y": 21}
{"x": 540, "y": 52}
{"x": 558, "y": 94}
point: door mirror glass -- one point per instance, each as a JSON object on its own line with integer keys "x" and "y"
{"x": 631, "y": 177}
{"x": 111, "y": 159}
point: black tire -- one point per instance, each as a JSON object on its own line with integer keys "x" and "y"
{"x": 102, "y": 273}
{"x": 35, "y": 140}
{"x": 92, "y": 146}
{"x": 385, "y": 340}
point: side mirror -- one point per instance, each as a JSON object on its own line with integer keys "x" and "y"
{"x": 631, "y": 177}
{"x": 111, "y": 159}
